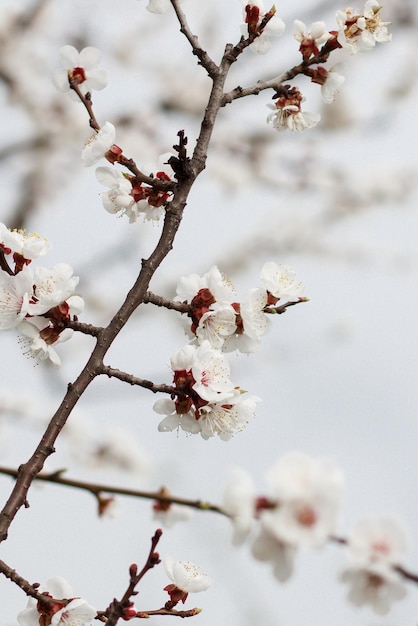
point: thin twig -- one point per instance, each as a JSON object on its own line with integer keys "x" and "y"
{"x": 162, "y": 495}
{"x": 112, "y": 372}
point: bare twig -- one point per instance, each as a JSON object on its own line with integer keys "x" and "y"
{"x": 162, "y": 495}
{"x": 133, "y": 380}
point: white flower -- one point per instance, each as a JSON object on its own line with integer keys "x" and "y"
{"x": 40, "y": 336}
{"x": 274, "y": 28}
{"x": 52, "y": 287}
{"x": 29, "y": 246}
{"x": 186, "y": 576}
{"x": 290, "y": 117}
{"x": 361, "y": 31}
{"x": 375, "y": 548}
{"x": 317, "y": 33}
{"x": 15, "y": 294}
{"x": 254, "y": 322}
{"x": 211, "y": 372}
{"x": 119, "y": 199}
{"x": 238, "y": 501}
{"x": 219, "y": 286}
{"x": 280, "y": 281}
{"x": 67, "y": 611}
{"x": 173, "y": 420}
{"x": 98, "y": 144}
{"x": 217, "y": 324}
{"x": 214, "y": 418}
{"x": 81, "y": 67}
{"x": 333, "y": 84}
{"x": 308, "y": 493}
{"x": 226, "y": 419}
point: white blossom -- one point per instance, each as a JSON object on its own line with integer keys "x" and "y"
{"x": 52, "y": 287}
{"x": 220, "y": 287}
{"x": 308, "y": 493}
{"x": 15, "y": 295}
{"x": 76, "y": 612}
{"x": 361, "y": 31}
{"x": 223, "y": 419}
{"x": 280, "y": 281}
{"x": 376, "y": 546}
{"x": 98, "y": 144}
{"x": 275, "y": 28}
{"x": 317, "y": 32}
{"x": 81, "y": 67}
{"x": 333, "y": 84}
{"x": 216, "y": 325}
{"x": 268, "y": 547}
{"x": 30, "y": 246}
{"x": 186, "y": 576}
{"x": 36, "y": 341}
{"x": 238, "y": 501}
{"x": 290, "y": 117}
{"x": 119, "y": 199}
{"x": 211, "y": 372}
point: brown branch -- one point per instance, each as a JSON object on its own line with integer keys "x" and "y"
{"x": 30, "y": 590}
{"x": 279, "y": 309}
{"x": 93, "y": 367}
{"x": 97, "y": 489}
{"x": 86, "y": 329}
{"x": 111, "y": 372}
{"x": 122, "y": 159}
{"x": 152, "y": 298}
{"x": 274, "y": 83}
{"x": 164, "y": 611}
{"x": 117, "y": 608}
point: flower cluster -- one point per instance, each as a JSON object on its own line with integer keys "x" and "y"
{"x": 129, "y": 196}
{"x": 360, "y": 31}
{"x": 301, "y": 511}
{"x": 229, "y": 325}
{"x": 37, "y": 303}
{"x": 207, "y": 402}
{"x": 62, "y": 611}
{"x": 260, "y": 24}
{"x": 357, "y": 31}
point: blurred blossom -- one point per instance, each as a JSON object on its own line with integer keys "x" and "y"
{"x": 376, "y": 546}
{"x": 239, "y": 502}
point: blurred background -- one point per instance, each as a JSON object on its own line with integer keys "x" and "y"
{"x": 337, "y": 375}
